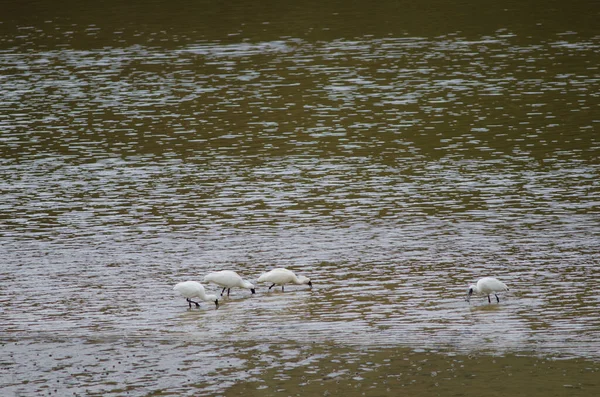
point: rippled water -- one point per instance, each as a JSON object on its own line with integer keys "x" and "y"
{"x": 392, "y": 169}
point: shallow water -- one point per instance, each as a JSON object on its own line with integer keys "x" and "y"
{"x": 392, "y": 163}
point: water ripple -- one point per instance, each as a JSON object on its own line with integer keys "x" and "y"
{"x": 393, "y": 172}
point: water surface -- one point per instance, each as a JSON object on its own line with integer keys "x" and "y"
{"x": 392, "y": 159}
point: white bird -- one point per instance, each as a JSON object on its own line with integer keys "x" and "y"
{"x": 228, "y": 279}
{"x": 487, "y": 286}
{"x": 193, "y": 289}
{"x": 282, "y": 277}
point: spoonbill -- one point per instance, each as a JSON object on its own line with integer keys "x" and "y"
{"x": 281, "y": 276}
{"x": 228, "y": 279}
{"x": 193, "y": 289}
{"x": 487, "y": 286}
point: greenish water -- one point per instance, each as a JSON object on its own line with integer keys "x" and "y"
{"x": 394, "y": 152}
{"x": 330, "y": 371}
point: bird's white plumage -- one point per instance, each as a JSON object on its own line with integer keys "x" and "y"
{"x": 228, "y": 279}
{"x": 193, "y": 289}
{"x": 487, "y": 286}
{"x": 281, "y": 276}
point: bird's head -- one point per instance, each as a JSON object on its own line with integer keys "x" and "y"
{"x": 470, "y": 291}
{"x": 213, "y": 298}
{"x": 248, "y": 285}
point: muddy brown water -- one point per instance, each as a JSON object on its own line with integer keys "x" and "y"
{"x": 393, "y": 154}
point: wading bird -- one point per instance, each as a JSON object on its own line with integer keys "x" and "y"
{"x": 193, "y": 289}
{"x": 228, "y": 279}
{"x": 487, "y": 286}
{"x": 282, "y": 277}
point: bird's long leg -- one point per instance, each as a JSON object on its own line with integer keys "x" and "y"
{"x": 282, "y": 287}
{"x": 228, "y": 291}
{"x": 489, "y": 300}
{"x": 191, "y": 301}
{"x": 222, "y": 292}
{"x": 498, "y": 299}
{"x": 271, "y": 287}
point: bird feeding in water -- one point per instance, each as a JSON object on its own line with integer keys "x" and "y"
{"x": 487, "y": 286}
{"x": 228, "y": 279}
{"x": 282, "y": 277}
{"x": 193, "y": 289}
